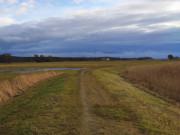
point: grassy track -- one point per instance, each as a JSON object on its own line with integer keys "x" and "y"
{"x": 52, "y": 107}
{"x": 90, "y": 102}
{"x": 102, "y": 112}
{"x": 148, "y": 114}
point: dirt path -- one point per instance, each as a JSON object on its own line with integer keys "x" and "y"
{"x": 100, "y": 109}
{"x": 87, "y": 116}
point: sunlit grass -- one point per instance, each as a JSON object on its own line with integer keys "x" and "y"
{"x": 17, "y": 85}
{"x": 51, "y": 107}
{"x": 151, "y": 115}
{"x": 54, "y": 105}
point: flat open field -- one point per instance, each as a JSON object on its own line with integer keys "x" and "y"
{"x": 93, "y": 101}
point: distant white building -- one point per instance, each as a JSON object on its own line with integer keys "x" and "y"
{"x": 106, "y": 59}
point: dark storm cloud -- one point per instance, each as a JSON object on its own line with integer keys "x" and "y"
{"x": 106, "y": 32}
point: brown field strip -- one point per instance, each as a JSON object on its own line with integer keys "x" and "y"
{"x": 17, "y": 85}
{"x": 161, "y": 78}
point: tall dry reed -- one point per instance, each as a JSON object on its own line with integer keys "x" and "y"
{"x": 14, "y": 87}
{"x": 162, "y": 78}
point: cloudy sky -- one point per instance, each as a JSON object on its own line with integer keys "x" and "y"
{"x": 90, "y": 28}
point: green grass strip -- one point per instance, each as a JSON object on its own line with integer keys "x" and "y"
{"x": 51, "y": 107}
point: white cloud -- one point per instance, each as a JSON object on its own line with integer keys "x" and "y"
{"x": 5, "y": 21}
{"x": 9, "y": 1}
{"x": 78, "y": 1}
{"x": 12, "y": 1}
{"x": 170, "y": 24}
{"x": 101, "y": 23}
{"x": 95, "y": 30}
{"x": 28, "y": 3}
{"x": 24, "y": 6}
{"x": 21, "y": 10}
{"x": 14, "y": 39}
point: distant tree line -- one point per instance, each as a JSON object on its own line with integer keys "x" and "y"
{"x": 8, "y": 58}
{"x": 171, "y": 57}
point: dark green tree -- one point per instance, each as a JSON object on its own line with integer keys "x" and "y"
{"x": 42, "y": 58}
{"x": 7, "y": 58}
{"x": 36, "y": 56}
{"x": 170, "y": 57}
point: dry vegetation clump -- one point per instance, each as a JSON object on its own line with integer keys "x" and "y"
{"x": 17, "y": 85}
{"x": 161, "y": 78}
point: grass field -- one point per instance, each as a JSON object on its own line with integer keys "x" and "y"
{"x": 52, "y": 107}
{"x": 12, "y": 87}
{"x": 78, "y": 64}
{"x": 7, "y": 75}
{"x": 147, "y": 113}
{"x": 93, "y": 101}
{"x": 161, "y": 78}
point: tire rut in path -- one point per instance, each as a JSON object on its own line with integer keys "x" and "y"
{"x": 95, "y": 96}
{"x": 87, "y": 116}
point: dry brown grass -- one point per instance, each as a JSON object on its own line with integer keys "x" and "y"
{"x": 17, "y": 85}
{"x": 78, "y": 64}
{"x": 151, "y": 115}
{"x": 161, "y": 78}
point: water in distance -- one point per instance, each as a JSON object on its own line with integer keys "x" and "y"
{"x": 29, "y": 70}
